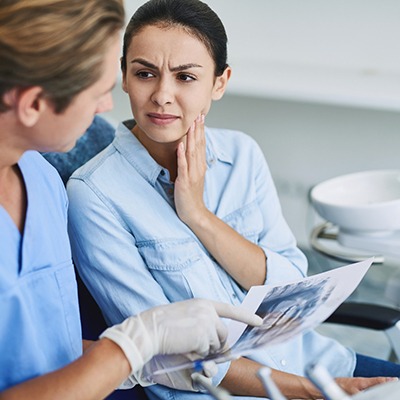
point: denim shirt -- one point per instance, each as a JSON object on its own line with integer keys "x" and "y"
{"x": 134, "y": 252}
{"x": 39, "y": 324}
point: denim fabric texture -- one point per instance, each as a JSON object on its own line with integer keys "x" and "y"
{"x": 369, "y": 367}
{"x": 133, "y": 252}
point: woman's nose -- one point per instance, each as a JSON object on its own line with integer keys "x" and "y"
{"x": 163, "y": 94}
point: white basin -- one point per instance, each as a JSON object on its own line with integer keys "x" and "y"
{"x": 366, "y": 201}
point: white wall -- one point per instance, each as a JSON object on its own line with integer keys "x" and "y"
{"x": 341, "y": 33}
{"x": 310, "y": 129}
{"x": 341, "y": 51}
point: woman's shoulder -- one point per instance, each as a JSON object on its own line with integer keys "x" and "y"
{"x": 231, "y": 140}
{"x": 229, "y": 134}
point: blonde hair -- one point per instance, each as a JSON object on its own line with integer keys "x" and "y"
{"x": 58, "y": 45}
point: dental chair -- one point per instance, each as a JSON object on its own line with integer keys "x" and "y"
{"x": 98, "y": 136}
{"x": 371, "y": 316}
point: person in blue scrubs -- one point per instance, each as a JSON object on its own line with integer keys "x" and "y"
{"x": 59, "y": 60}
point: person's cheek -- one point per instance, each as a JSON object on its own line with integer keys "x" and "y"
{"x": 206, "y": 109}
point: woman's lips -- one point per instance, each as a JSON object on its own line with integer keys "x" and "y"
{"x": 162, "y": 119}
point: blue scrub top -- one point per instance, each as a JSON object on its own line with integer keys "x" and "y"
{"x": 39, "y": 325}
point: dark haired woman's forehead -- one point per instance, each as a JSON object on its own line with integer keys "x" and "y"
{"x": 173, "y": 49}
{"x": 194, "y": 15}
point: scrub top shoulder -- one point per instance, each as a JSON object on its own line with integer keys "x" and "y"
{"x": 40, "y": 324}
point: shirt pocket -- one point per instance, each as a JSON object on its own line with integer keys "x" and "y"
{"x": 182, "y": 268}
{"x": 247, "y": 221}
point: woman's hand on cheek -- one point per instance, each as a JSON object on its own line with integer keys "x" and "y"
{"x": 189, "y": 184}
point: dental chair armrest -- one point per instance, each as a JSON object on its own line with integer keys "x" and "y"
{"x": 365, "y": 316}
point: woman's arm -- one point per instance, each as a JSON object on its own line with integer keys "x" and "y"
{"x": 248, "y": 263}
{"x": 96, "y": 374}
{"x": 243, "y": 260}
{"x": 241, "y": 380}
{"x": 86, "y": 344}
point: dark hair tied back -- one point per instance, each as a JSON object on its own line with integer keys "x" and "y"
{"x": 193, "y": 15}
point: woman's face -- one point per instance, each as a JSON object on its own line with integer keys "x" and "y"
{"x": 170, "y": 80}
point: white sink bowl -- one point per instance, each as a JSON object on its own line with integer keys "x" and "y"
{"x": 363, "y": 201}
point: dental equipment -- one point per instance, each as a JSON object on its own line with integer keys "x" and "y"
{"x": 321, "y": 378}
{"x": 217, "y": 392}
{"x": 269, "y": 385}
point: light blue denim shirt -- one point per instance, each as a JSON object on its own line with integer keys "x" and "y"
{"x": 133, "y": 251}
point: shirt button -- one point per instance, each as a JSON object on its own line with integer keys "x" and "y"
{"x": 283, "y": 362}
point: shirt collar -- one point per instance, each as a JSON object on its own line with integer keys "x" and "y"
{"x": 214, "y": 151}
{"x": 137, "y": 155}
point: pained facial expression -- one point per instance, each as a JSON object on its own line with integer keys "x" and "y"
{"x": 170, "y": 79}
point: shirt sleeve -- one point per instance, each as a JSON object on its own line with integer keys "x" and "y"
{"x": 285, "y": 261}
{"x": 106, "y": 256}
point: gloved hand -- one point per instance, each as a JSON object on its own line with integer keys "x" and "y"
{"x": 178, "y": 379}
{"x": 181, "y": 379}
{"x": 190, "y": 326}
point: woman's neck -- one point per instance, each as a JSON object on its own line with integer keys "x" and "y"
{"x": 163, "y": 153}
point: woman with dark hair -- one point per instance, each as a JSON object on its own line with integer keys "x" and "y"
{"x": 173, "y": 210}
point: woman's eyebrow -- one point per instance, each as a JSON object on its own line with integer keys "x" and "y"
{"x": 172, "y": 69}
{"x": 184, "y": 67}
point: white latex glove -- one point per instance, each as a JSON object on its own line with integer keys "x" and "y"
{"x": 181, "y": 379}
{"x": 190, "y": 326}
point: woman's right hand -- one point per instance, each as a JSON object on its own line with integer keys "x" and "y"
{"x": 192, "y": 166}
{"x": 355, "y": 385}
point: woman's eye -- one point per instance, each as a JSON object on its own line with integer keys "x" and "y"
{"x": 186, "y": 78}
{"x": 144, "y": 74}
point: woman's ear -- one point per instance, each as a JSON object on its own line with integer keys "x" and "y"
{"x": 124, "y": 85}
{"x": 123, "y": 70}
{"x": 221, "y": 83}
{"x": 29, "y": 105}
